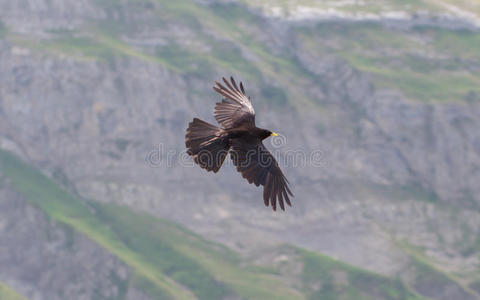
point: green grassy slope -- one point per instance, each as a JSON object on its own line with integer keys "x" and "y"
{"x": 3, "y": 30}
{"x": 6, "y": 293}
{"x": 330, "y": 279}
{"x": 424, "y": 63}
{"x": 172, "y": 262}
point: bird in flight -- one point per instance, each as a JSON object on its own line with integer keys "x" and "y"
{"x": 208, "y": 144}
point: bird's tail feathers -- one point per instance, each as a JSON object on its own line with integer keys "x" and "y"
{"x": 207, "y": 144}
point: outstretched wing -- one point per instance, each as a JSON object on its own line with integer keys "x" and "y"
{"x": 258, "y": 166}
{"x": 235, "y": 109}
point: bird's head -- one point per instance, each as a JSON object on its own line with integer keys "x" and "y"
{"x": 267, "y": 133}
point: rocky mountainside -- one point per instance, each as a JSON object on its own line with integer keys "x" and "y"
{"x": 88, "y": 250}
{"x": 36, "y": 254}
{"x": 379, "y": 121}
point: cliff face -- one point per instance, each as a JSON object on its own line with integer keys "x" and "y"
{"x": 381, "y": 143}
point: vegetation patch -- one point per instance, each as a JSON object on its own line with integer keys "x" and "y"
{"x": 7, "y": 293}
{"x": 326, "y": 278}
{"x": 3, "y": 29}
{"x": 429, "y": 280}
{"x": 475, "y": 285}
{"x": 444, "y": 69}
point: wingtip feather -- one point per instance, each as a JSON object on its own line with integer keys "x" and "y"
{"x": 241, "y": 88}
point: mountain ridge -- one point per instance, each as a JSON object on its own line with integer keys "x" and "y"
{"x": 99, "y": 94}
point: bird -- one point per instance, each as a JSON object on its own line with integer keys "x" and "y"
{"x": 238, "y": 135}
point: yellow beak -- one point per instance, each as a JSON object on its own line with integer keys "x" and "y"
{"x": 274, "y": 134}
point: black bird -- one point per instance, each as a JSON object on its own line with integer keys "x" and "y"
{"x": 209, "y": 144}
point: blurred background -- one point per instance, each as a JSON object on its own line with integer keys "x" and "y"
{"x": 379, "y": 101}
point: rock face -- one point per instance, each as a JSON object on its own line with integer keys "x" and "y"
{"x": 39, "y": 16}
{"x": 41, "y": 259}
{"x": 372, "y": 167}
